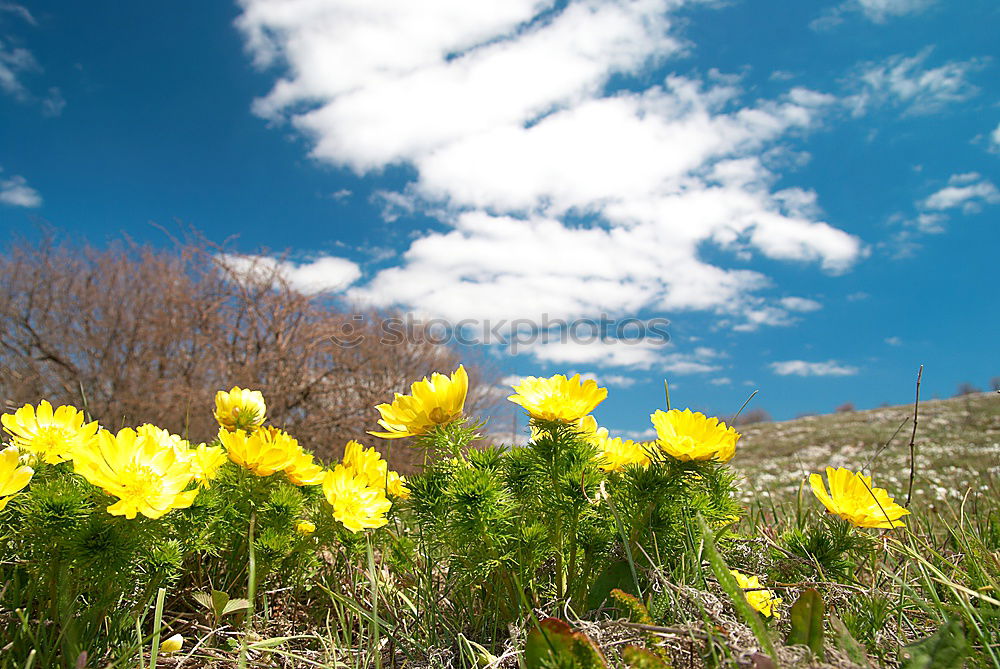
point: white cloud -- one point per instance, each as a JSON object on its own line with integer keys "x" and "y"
{"x": 615, "y": 380}
{"x": 606, "y": 353}
{"x": 893, "y": 341}
{"x": 53, "y": 103}
{"x": 610, "y": 352}
{"x": 721, "y": 381}
{"x": 16, "y": 192}
{"x": 803, "y": 368}
{"x": 610, "y": 380}
{"x": 562, "y": 200}
{"x": 325, "y": 274}
{"x": 15, "y": 61}
{"x": 880, "y": 10}
{"x": 969, "y": 192}
{"x": 19, "y": 11}
{"x": 394, "y": 205}
{"x": 995, "y": 139}
{"x": 877, "y": 11}
{"x": 763, "y": 315}
{"x": 800, "y": 304}
{"x": 904, "y": 83}
{"x": 636, "y": 435}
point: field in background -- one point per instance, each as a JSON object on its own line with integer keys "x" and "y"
{"x": 957, "y": 448}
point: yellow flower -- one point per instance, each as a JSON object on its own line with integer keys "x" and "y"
{"x": 762, "y": 600}
{"x": 163, "y": 437}
{"x": 264, "y": 451}
{"x": 240, "y": 409}
{"x": 145, "y": 477}
{"x": 205, "y": 462}
{"x": 13, "y": 477}
{"x": 51, "y": 435}
{"x": 590, "y": 431}
{"x": 172, "y": 644}
{"x": 305, "y": 527}
{"x": 688, "y": 435}
{"x": 396, "y": 486}
{"x": 558, "y": 398}
{"x": 356, "y": 504}
{"x": 367, "y": 464}
{"x": 433, "y": 402}
{"x": 616, "y": 454}
{"x": 303, "y": 471}
{"x": 853, "y": 498}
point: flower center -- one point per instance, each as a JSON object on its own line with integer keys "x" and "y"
{"x": 50, "y": 440}
{"x": 439, "y": 416}
{"x": 140, "y": 482}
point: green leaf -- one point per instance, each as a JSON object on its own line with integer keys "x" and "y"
{"x": 554, "y": 645}
{"x": 945, "y": 649}
{"x": 733, "y": 589}
{"x": 234, "y": 605}
{"x": 807, "y": 622}
{"x": 846, "y": 642}
{"x": 219, "y": 601}
{"x": 617, "y": 575}
{"x": 204, "y": 599}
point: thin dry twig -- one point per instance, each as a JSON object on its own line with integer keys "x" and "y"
{"x": 913, "y": 437}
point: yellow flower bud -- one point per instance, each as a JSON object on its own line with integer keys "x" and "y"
{"x": 172, "y": 644}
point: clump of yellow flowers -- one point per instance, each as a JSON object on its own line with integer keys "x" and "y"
{"x": 683, "y": 435}
{"x": 853, "y": 498}
{"x": 152, "y": 471}
{"x": 263, "y": 451}
{"x": 356, "y": 488}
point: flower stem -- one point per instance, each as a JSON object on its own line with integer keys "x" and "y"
{"x": 251, "y": 589}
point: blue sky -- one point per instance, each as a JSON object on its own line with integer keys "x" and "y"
{"x": 806, "y": 191}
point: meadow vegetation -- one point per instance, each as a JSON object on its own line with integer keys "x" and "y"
{"x": 134, "y": 546}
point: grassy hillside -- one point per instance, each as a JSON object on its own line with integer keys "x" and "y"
{"x": 957, "y": 448}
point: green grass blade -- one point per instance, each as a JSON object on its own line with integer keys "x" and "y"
{"x": 733, "y": 589}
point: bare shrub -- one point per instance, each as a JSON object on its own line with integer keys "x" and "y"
{"x": 138, "y": 334}
{"x": 966, "y": 388}
{"x": 846, "y": 407}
